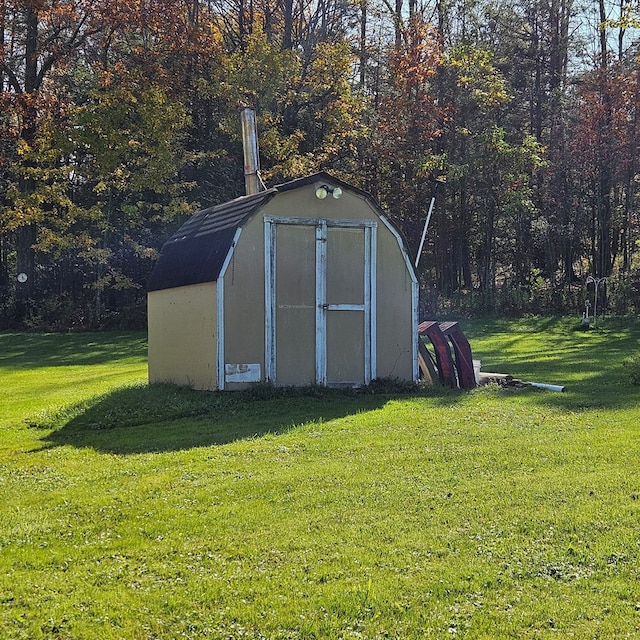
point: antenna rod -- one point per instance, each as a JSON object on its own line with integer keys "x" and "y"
{"x": 426, "y": 223}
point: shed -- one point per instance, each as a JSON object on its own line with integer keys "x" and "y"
{"x": 304, "y": 283}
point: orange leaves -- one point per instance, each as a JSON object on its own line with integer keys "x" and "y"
{"x": 607, "y": 126}
{"x": 417, "y": 60}
{"x": 409, "y": 112}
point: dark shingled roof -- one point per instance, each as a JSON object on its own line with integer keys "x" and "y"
{"x": 197, "y": 251}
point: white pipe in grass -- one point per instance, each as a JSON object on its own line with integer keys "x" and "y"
{"x": 548, "y": 387}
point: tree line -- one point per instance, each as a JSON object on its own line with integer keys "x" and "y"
{"x": 120, "y": 119}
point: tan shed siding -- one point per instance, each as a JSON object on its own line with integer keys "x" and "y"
{"x": 244, "y": 301}
{"x": 395, "y": 317}
{"x": 303, "y": 203}
{"x": 183, "y": 336}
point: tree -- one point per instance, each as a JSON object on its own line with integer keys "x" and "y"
{"x": 607, "y": 145}
{"x": 477, "y": 91}
{"x": 38, "y": 35}
{"x": 404, "y": 129}
{"x": 94, "y": 152}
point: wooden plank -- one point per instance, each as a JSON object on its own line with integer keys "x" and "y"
{"x": 427, "y": 366}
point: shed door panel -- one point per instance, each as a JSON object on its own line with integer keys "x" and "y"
{"x": 345, "y": 348}
{"x": 345, "y": 266}
{"x": 295, "y": 307}
{"x": 345, "y": 296}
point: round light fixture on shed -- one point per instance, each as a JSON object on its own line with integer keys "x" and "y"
{"x": 22, "y": 277}
{"x": 322, "y": 192}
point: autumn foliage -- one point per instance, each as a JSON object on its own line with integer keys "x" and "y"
{"x": 119, "y": 119}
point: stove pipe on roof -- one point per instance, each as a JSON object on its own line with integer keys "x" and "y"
{"x": 252, "y": 181}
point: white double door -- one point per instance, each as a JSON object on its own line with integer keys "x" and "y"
{"x": 320, "y": 301}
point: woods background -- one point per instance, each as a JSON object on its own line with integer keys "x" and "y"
{"x": 119, "y": 119}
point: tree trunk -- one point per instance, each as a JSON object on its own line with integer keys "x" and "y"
{"x": 26, "y": 234}
{"x": 287, "y": 35}
{"x": 363, "y": 43}
{"x": 398, "y": 24}
{"x": 602, "y": 260}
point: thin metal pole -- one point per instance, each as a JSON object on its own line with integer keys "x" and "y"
{"x": 426, "y": 223}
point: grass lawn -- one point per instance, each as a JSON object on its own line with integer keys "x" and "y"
{"x": 138, "y": 513}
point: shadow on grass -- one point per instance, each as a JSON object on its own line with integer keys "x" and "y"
{"x": 167, "y": 418}
{"x": 162, "y": 418}
{"x": 31, "y": 350}
{"x": 591, "y": 364}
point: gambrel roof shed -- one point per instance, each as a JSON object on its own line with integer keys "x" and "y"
{"x": 306, "y": 282}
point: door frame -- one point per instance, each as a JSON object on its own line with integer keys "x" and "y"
{"x": 322, "y": 308}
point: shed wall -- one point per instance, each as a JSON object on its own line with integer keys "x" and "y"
{"x": 244, "y": 301}
{"x": 395, "y": 322}
{"x": 183, "y": 336}
{"x": 244, "y": 286}
{"x": 302, "y": 202}
{"x": 244, "y": 290}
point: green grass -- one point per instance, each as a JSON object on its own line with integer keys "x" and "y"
{"x": 141, "y": 512}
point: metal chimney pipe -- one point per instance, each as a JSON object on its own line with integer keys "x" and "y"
{"x": 251, "y": 156}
